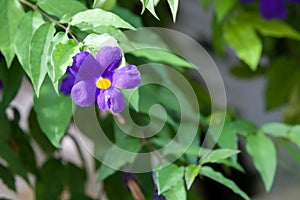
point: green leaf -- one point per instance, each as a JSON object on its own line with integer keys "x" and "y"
{"x": 162, "y": 56}
{"x": 276, "y": 129}
{"x": 25, "y": 151}
{"x": 75, "y": 178}
{"x": 59, "y": 8}
{"x": 13, "y": 159}
{"x": 90, "y": 19}
{"x": 273, "y": 28}
{"x": 168, "y": 177}
{"x": 281, "y": 67}
{"x": 228, "y": 138}
{"x": 114, "y": 188}
{"x": 218, "y": 39}
{"x": 242, "y": 71}
{"x": 48, "y": 187}
{"x": 177, "y": 192}
{"x": 244, "y": 127}
{"x": 294, "y": 135}
{"x": 130, "y": 17}
{"x": 216, "y": 155}
{"x": 245, "y": 42}
{"x": 104, "y": 4}
{"x": 174, "y": 8}
{"x": 7, "y": 177}
{"x": 223, "y": 7}
{"x": 62, "y": 57}
{"x": 11, "y": 80}
{"x": 231, "y": 163}
{"x": 191, "y": 172}
{"x": 118, "y": 158}
{"x": 53, "y": 112}
{"x": 28, "y": 25}
{"x": 151, "y": 4}
{"x": 144, "y": 4}
{"x": 11, "y": 13}
{"x": 39, "y": 54}
{"x": 218, "y": 177}
{"x": 263, "y": 152}
{"x": 38, "y": 135}
{"x": 94, "y": 42}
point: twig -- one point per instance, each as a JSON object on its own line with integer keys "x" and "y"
{"x": 56, "y": 22}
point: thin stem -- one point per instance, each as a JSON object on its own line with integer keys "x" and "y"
{"x": 56, "y": 22}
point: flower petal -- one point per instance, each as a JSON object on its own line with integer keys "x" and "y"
{"x": 67, "y": 84}
{"x": 83, "y": 93}
{"x": 109, "y": 57}
{"x": 90, "y": 70}
{"x": 273, "y": 9}
{"x": 77, "y": 62}
{"x": 127, "y": 77}
{"x": 111, "y": 99}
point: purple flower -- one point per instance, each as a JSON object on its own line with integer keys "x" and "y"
{"x": 98, "y": 80}
{"x": 68, "y": 82}
{"x": 271, "y": 9}
{"x": 1, "y": 85}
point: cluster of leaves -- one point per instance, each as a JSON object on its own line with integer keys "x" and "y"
{"x": 46, "y": 34}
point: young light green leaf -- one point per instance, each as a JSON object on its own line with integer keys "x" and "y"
{"x": 104, "y": 4}
{"x": 94, "y": 42}
{"x": 151, "y": 7}
{"x": 53, "y": 112}
{"x": 174, "y": 8}
{"x": 191, "y": 172}
{"x": 294, "y": 135}
{"x": 59, "y": 8}
{"x": 248, "y": 50}
{"x": 263, "y": 152}
{"x": 168, "y": 177}
{"x": 177, "y": 192}
{"x": 11, "y": 13}
{"x": 62, "y": 57}
{"x": 276, "y": 129}
{"x": 216, "y": 155}
{"x": 223, "y": 7}
{"x": 28, "y": 25}
{"x": 60, "y": 37}
{"x": 90, "y": 19}
{"x": 39, "y": 54}
{"x": 273, "y": 28}
{"x": 218, "y": 177}
{"x": 144, "y": 4}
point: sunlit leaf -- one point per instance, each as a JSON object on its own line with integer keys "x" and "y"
{"x": 263, "y": 152}
{"x": 11, "y": 13}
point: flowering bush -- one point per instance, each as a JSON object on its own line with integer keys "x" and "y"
{"x": 131, "y": 93}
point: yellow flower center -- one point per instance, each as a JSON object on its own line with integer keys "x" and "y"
{"x": 103, "y": 83}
